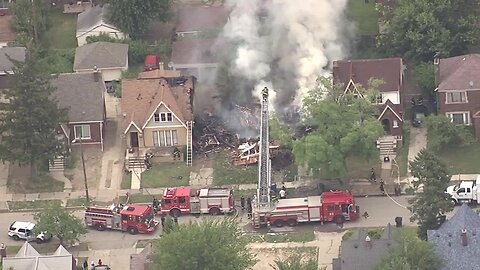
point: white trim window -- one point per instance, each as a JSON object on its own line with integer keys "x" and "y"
{"x": 395, "y": 124}
{"x": 163, "y": 138}
{"x": 456, "y": 97}
{"x": 82, "y": 131}
{"x": 163, "y": 117}
{"x": 459, "y": 118}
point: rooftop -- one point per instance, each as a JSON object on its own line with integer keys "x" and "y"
{"x": 136, "y": 209}
{"x": 198, "y": 18}
{"x": 6, "y": 32}
{"x": 101, "y": 55}
{"x": 459, "y": 72}
{"x": 91, "y": 18}
{"x": 15, "y": 53}
{"x": 28, "y": 258}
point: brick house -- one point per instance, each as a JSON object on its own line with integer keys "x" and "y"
{"x": 351, "y": 74}
{"x": 458, "y": 89}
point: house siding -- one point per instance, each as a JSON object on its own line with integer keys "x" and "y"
{"x": 145, "y": 139}
{"x": 394, "y": 131}
{"x": 163, "y": 109}
{"x": 107, "y": 74}
{"x": 95, "y": 132}
{"x": 82, "y": 37}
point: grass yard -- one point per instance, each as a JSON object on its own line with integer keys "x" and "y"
{"x": 358, "y": 168}
{"x": 62, "y": 30}
{"x": 364, "y": 15}
{"x": 224, "y": 173}
{"x": 303, "y": 236}
{"x": 166, "y": 174}
{"x": 39, "y": 204}
{"x": 461, "y": 159}
{"x": 126, "y": 181}
{"x": 140, "y": 198}
{"x": 19, "y": 183}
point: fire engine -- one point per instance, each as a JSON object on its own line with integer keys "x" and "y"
{"x": 184, "y": 200}
{"x": 337, "y": 206}
{"x": 132, "y": 218}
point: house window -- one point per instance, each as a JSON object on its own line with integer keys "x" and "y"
{"x": 166, "y": 117}
{"x": 156, "y": 117}
{"x": 395, "y": 124}
{"x": 165, "y": 138}
{"x": 460, "y": 118}
{"x": 456, "y": 97}
{"x": 82, "y": 131}
{"x": 379, "y": 99}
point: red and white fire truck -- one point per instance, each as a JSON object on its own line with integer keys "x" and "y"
{"x": 336, "y": 206}
{"x": 132, "y": 218}
{"x": 184, "y": 200}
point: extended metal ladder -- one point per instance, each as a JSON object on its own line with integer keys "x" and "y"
{"x": 189, "y": 142}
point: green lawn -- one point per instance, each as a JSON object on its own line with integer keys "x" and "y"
{"x": 39, "y": 204}
{"x": 166, "y": 174}
{"x": 302, "y": 236}
{"x": 61, "y": 32}
{"x": 364, "y": 15}
{"x": 461, "y": 159}
{"x": 359, "y": 168}
{"x": 140, "y": 198}
{"x": 224, "y": 173}
{"x": 43, "y": 183}
{"x": 126, "y": 181}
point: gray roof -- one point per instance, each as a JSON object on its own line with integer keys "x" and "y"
{"x": 91, "y": 18}
{"x": 102, "y": 55}
{"x": 356, "y": 255}
{"x": 447, "y": 240}
{"x": 81, "y": 95}
{"x": 16, "y": 53}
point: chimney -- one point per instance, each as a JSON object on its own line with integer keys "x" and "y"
{"x": 464, "y": 238}
{"x": 96, "y": 74}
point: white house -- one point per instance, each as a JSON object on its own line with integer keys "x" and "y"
{"x": 111, "y": 59}
{"x": 92, "y": 22}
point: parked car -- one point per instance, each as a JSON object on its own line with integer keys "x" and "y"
{"x": 20, "y": 230}
{"x": 151, "y": 63}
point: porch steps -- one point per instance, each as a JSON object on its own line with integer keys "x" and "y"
{"x": 387, "y": 146}
{"x": 189, "y": 143}
{"x": 57, "y": 165}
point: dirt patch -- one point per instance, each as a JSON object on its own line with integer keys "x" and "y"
{"x": 267, "y": 257}
{"x": 19, "y": 181}
{"x": 93, "y": 166}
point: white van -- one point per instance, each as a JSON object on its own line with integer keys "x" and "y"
{"x": 23, "y": 230}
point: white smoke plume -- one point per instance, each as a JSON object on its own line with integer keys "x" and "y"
{"x": 286, "y": 44}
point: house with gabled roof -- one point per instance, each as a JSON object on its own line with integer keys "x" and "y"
{"x": 353, "y": 74}
{"x": 362, "y": 252}
{"x": 458, "y": 89}
{"x": 157, "y": 114}
{"x": 93, "y": 22}
{"x": 28, "y": 258}
{"x": 194, "y": 19}
{"x": 83, "y": 94}
{"x": 457, "y": 240}
{"x": 110, "y": 58}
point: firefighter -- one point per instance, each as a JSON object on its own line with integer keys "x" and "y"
{"x": 382, "y": 187}
{"x": 282, "y": 193}
{"x": 242, "y": 202}
{"x": 175, "y": 219}
{"x": 249, "y": 207}
{"x": 155, "y": 204}
{"x": 99, "y": 261}
{"x": 372, "y": 175}
{"x": 85, "y": 265}
{"x": 176, "y": 153}
{"x": 162, "y": 220}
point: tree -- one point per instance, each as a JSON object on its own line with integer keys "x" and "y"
{"x": 410, "y": 253}
{"x": 441, "y": 132}
{"x": 31, "y": 117}
{"x": 296, "y": 262}
{"x": 30, "y": 17}
{"x": 280, "y": 131}
{"x": 213, "y": 244}
{"x": 429, "y": 206}
{"x": 345, "y": 126}
{"x": 60, "y": 223}
{"x": 419, "y": 29}
{"x": 425, "y": 78}
{"x": 133, "y": 16}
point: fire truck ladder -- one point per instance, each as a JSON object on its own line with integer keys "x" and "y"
{"x": 263, "y": 203}
{"x": 189, "y": 143}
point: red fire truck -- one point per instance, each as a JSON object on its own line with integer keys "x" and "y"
{"x": 184, "y": 200}
{"x": 336, "y": 206}
{"x": 132, "y": 218}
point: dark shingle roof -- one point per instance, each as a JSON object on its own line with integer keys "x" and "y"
{"x": 16, "y": 53}
{"x": 102, "y": 55}
{"x": 360, "y": 71}
{"x": 459, "y": 72}
{"x": 447, "y": 240}
{"x": 81, "y": 95}
{"x": 91, "y": 18}
{"x": 356, "y": 255}
{"x": 199, "y": 18}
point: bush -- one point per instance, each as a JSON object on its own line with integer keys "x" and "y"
{"x": 442, "y": 132}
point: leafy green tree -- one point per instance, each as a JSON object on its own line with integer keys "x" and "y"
{"x": 30, "y": 17}
{"x": 296, "y": 262}
{"x": 442, "y": 132}
{"x": 425, "y": 78}
{"x": 133, "y": 16}
{"x": 30, "y": 117}
{"x": 429, "y": 206}
{"x": 410, "y": 253}
{"x": 61, "y": 223}
{"x": 418, "y": 29}
{"x": 281, "y": 132}
{"x": 345, "y": 126}
{"x": 168, "y": 224}
{"x": 213, "y": 244}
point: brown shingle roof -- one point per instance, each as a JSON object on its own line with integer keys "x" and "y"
{"x": 196, "y": 51}
{"x": 459, "y": 72}
{"x": 6, "y": 32}
{"x": 159, "y": 73}
{"x": 388, "y": 69}
{"x": 199, "y": 18}
{"x": 140, "y": 98}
